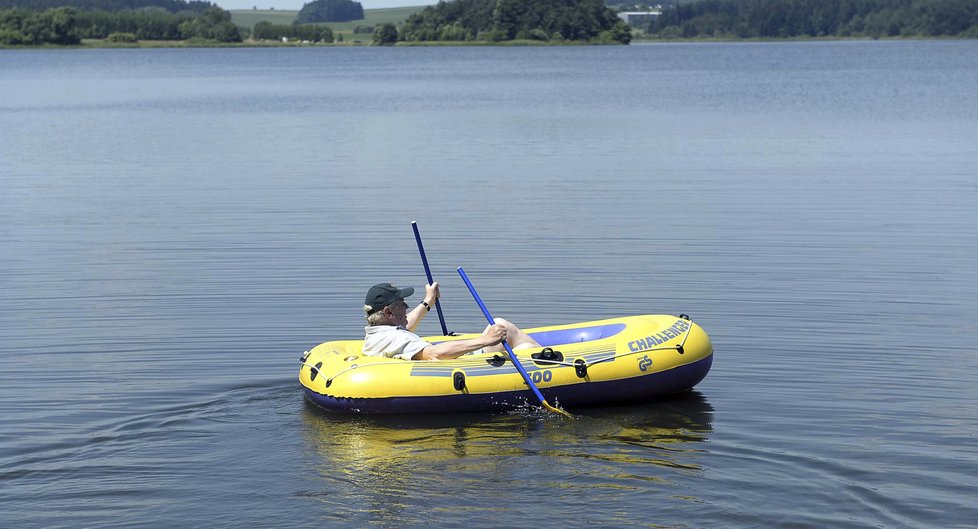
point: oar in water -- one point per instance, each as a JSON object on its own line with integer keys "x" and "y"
{"x": 427, "y": 271}
{"x": 512, "y": 355}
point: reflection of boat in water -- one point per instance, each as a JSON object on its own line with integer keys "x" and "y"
{"x": 401, "y": 470}
{"x": 675, "y": 423}
{"x": 632, "y": 359}
{"x": 688, "y": 411}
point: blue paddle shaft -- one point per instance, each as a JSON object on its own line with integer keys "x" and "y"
{"x": 512, "y": 355}
{"x": 427, "y": 272}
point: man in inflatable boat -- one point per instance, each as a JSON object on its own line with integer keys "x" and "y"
{"x": 390, "y": 328}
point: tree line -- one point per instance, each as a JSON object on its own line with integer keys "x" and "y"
{"x": 173, "y": 6}
{"x": 301, "y": 32}
{"x": 503, "y": 20}
{"x": 67, "y": 26}
{"x": 54, "y": 26}
{"x": 818, "y": 18}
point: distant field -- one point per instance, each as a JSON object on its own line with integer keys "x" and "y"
{"x": 249, "y": 18}
{"x": 395, "y": 15}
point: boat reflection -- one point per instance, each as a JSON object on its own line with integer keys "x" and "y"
{"x": 358, "y": 443}
{"x": 666, "y": 433}
{"x": 379, "y": 463}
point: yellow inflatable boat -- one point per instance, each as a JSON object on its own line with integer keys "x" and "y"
{"x": 630, "y": 359}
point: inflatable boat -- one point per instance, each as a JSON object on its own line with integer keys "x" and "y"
{"x": 623, "y": 360}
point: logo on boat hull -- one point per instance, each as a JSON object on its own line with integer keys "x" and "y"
{"x": 644, "y": 363}
{"x": 674, "y": 331}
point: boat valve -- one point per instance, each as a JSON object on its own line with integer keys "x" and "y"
{"x": 458, "y": 380}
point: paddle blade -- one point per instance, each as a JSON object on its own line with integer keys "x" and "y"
{"x": 558, "y": 411}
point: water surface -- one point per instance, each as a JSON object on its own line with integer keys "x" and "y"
{"x": 177, "y": 226}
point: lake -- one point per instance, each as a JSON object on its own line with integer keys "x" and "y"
{"x": 178, "y": 225}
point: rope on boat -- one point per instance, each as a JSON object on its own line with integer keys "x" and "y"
{"x": 614, "y": 356}
{"x": 329, "y": 380}
{"x": 683, "y": 343}
{"x": 679, "y": 347}
{"x": 609, "y": 358}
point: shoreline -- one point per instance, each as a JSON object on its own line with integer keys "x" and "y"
{"x": 160, "y": 44}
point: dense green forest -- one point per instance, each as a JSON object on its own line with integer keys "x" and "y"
{"x": 504, "y": 20}
{"x": 66, "y": 26}
{"x": 173, "y": 6}
{"x": 818, "y": 18}
{"x": 330, "y": 11}
{"x": 54, "y": 26}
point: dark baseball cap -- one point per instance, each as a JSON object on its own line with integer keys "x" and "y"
{"x": 383, "y": 294}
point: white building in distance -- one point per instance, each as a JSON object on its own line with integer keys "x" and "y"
{"x": 638, "y": 18}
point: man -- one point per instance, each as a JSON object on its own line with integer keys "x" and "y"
{"x": 390, "y": 328}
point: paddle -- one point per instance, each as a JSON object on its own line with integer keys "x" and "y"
{"x": 427, "y": 271}
{"x": 512, "y": 355}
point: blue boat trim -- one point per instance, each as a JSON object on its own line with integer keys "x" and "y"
{"x": 577, "y": 334}
{"x": 574, "y": 335}
{"x": 419, "y": 371}
{"x": 636, "y": 390}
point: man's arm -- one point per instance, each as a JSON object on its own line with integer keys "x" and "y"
{"x": 431, "y": 293}
{"x": 457, "y": 348}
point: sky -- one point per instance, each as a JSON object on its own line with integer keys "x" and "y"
{"x": 295, "y": 5}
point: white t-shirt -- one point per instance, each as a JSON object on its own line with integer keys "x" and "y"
{"x": 392, "y": 342}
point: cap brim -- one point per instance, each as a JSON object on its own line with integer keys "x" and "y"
{"x": 405, "y": 292}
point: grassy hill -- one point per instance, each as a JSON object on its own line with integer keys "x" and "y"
{"x": 248, "y": 18}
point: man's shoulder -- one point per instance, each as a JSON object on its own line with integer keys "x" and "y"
{"x": 391, "y": 332}
{"x": 382, "y": 329}
{"x": 392, "y": 341}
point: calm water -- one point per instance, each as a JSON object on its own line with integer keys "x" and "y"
{"x": 177, "y": 226}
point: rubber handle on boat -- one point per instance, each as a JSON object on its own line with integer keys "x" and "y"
{"x": 512, "y": 355}
{"x": 427, "y": 272}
